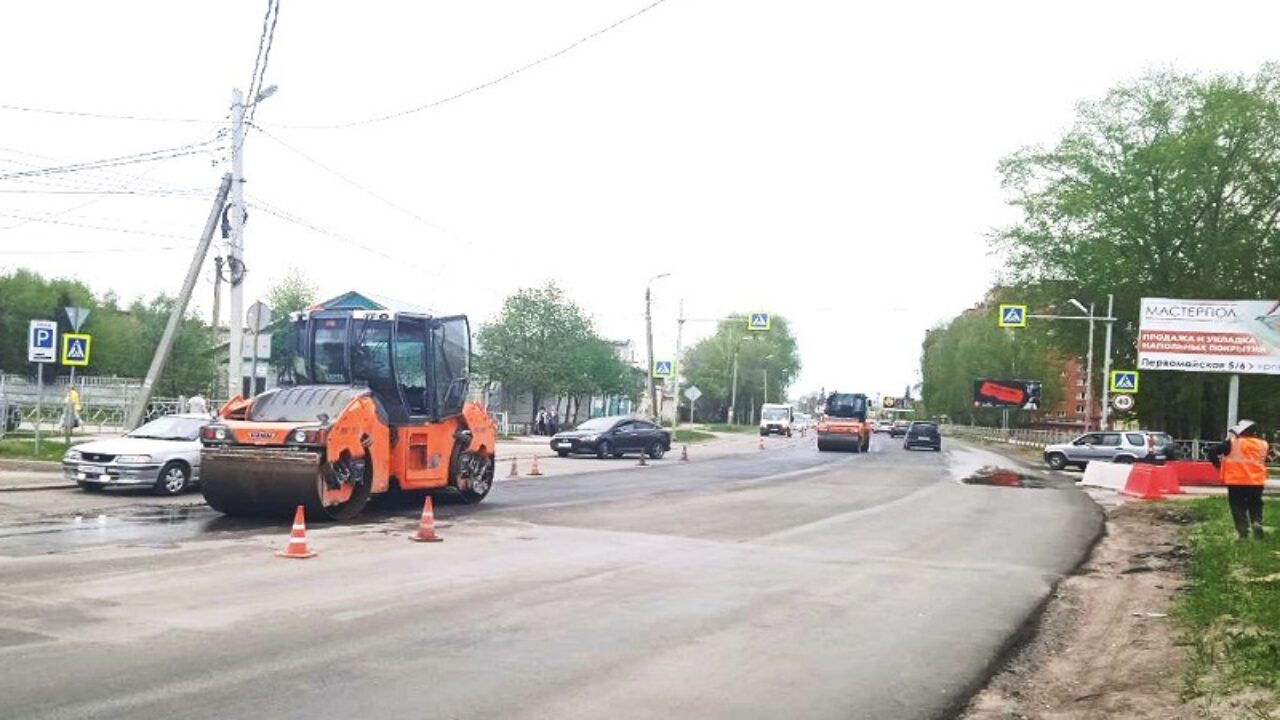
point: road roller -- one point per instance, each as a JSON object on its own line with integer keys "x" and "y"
{"x": 369, "y": 402}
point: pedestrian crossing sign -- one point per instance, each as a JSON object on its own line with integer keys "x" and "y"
{"x": 759, "y": 321}
{"x": 1124, "y": 381}
{"x": 663, "y": 368}
{"x": 1013, "y": 316}
{"x": 75, "y": 349}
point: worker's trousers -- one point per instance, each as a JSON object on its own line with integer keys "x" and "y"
{"x": 1246, "y": 508}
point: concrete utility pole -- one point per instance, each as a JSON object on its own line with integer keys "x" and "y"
{"x": 679, "y": 365}
{"x": 139, "y": 409}
{"x": 236, "y": 256}
{"x": 648, "y": 336}
{"x": 733, "y": 394}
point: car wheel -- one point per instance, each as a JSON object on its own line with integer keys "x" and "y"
{"x": 174, "y": 477}
{"x": 656, "y": 451}
{"x": 92, "y": 487}
{"x": 562, "y": 453}
{"x": 822, "y": 447}
{"x": 604, "y": 449}
{"x": 763, "y": 432}
{"x": 1056, "y": 461}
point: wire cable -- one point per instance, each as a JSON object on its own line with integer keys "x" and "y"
{"x": 485, "y": 85}
{"x": 107, "y": 116}
{"x": 143, "y": 157}
{"x": 277, "y": 212}
{"x": 371, "y": 193}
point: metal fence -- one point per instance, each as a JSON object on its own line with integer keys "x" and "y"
{"x": 1038, "y": 439}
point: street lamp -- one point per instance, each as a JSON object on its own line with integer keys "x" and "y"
{"x": 1088, "y": 368}
{"x": 648, "y": 335}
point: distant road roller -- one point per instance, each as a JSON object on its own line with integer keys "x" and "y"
{"x": 370, "y": 401}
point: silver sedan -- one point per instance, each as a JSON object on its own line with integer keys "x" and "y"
{"x": 163, "y": 454}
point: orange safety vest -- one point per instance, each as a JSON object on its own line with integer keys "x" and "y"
{"x": 1246, "y": 464}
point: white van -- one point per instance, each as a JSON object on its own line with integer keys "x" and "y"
{"x": 776, "y": 418}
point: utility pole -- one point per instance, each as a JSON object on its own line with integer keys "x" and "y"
{"x": 680, "y": 364}
{"x": 139, "y": 409}
{"x": 648, "y": 336}
{"x": 214, "y": 324}
{"x": 733, "y": 394}
{"x": 236, "y": 255}
{"x": 1088, "y": 373}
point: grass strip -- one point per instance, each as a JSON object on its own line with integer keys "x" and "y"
{"x": 1230, "y": 616}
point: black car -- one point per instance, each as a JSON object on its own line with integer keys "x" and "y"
{"x": 923, "y": 434}
{"x": 612, "y": 437}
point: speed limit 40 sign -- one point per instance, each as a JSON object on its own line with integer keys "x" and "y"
{"x": 1122, "y": 402}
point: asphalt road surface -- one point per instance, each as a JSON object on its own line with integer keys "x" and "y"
{"x": 784, "y": 583}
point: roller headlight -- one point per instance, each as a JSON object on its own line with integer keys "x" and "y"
{"x": 299, "y": 436}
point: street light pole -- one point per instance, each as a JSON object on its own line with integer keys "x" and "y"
{"x": 648, "y": 335}
{"x": 733, "y": 393}
{"x": 235, "y": 259}
{"x": 1088, "y": 371}
{"x": 1106, "y": 364}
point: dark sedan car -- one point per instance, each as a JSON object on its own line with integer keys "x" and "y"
{"x": 612, "y": 437}
{"x": 923, "y": 434}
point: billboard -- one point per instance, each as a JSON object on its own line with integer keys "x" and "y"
{"x": 1020, "y": 394}
{"x": 1227, "y": 336}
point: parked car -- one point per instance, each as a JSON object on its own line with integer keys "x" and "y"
{"x": 923, "y": 434}
{"x": 899, "y": 428}
{"x": 1112, "y": 446}
{"x": 163, "y": 454}
{"x": 613, "y": 437}
{"x": 882, "y": 426}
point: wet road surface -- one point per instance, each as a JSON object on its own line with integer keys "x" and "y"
{"x": 785, "y": 582}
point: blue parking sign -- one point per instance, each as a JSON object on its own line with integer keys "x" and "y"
{"x": 42, "y": 341}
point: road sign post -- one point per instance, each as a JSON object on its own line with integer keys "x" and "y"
{"x": 1124, "y": 381}
{"x": 1013, "y": 316}
{"x": 42, "y": 348}
{"x": 663, "y": 369}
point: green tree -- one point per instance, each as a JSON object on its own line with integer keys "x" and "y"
{"x": 709, "y": 365}
{"x": 537, "y": 344}
{"x": 293, "y": 293}
{"x": 1165, "y": 187}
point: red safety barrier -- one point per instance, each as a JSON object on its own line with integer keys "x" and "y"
{"x": 1152, "y": 482}
{"x": 1194, "y": 472}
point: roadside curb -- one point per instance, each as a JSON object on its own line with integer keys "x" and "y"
{"x": 36, "y": 486}
{"x": 16, "y": 464}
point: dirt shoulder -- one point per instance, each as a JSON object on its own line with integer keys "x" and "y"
{"x": 1105, "y": 645}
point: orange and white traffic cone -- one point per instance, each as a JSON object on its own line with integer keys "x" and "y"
{"x": 427, "y": 525}
{"x": 533, "y": 469}
{"x": 684, "y": 453}
{"x": 297, "y": 547}
{"x": 515, "y": 471}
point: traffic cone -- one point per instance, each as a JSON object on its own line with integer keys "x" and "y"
{"x": 297, "y": 547}
{"x": 533, "y": 469}
{"x": 427, "y": 525}
{"x": 684, "y": 453}
{"x": 515, "y": 471}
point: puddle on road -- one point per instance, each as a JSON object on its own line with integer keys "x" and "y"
{"x": 1003, "y": 477}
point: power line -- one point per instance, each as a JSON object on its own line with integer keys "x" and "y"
{"x": 96, "y": 251}
{"x": 143, "y": 157}
{"x": 274, "y": 211}
{"x": 87, "y": 226}
{"x": 96, "y": 181}
{"x": 265, "y": 41}
{"x": 107, "y": 116}
{"x": 484, "y": 85}
{"x": 390, "y": 203}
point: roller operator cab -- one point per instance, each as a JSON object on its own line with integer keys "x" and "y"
{"x": 370, "y": 401}
{"x": 843, "y": 423}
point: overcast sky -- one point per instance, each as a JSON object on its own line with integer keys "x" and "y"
{"x": 833, "y": 162}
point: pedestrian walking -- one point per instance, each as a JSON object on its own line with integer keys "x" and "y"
{"x": 1242, "y": 462}
{"x": 197, "y": 405}
{"x": 542, "y": 421}
{"x": 71, "y": 408}
{"x": 554, "y": 422}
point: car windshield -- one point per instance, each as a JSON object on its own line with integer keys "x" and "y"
{"x": 170, "y": 428}
{"x": 597, "y": 424}
{"x": 774, "y": 414}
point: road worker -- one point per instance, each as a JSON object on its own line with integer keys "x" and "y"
{"x": 1242, "y": 463}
